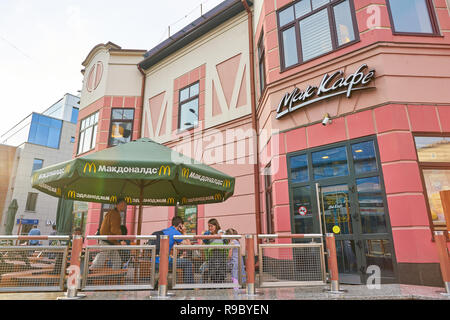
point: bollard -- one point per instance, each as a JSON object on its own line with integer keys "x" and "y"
{"x": 444, "y": 259}
{"x": 73, "y": 279}
{"x": 163, "y": 267}
{"x": 250, "y": 263}
{"x": 332, "y": 263}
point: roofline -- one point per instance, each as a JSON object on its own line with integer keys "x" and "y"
{"x": 207, "y": 22}
{"x": 98, "y": 47}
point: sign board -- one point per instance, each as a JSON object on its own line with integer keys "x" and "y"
{"x": 336, "y": 229}
{"x": 302, "y": 210}
{"x": 28, "y": 221}
{"x": 331, "y": 86}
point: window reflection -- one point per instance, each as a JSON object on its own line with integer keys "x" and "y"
{"x": 371, "y": 205}
{"x": 286, "y": 16}
{"x": 303, "y": 210}
{"x": 364, "y": 157}
{"x": 330, "y": 163}
{"x": 346, "y": 256}
{"x": 37, "y": 164}
{"x": 436, "y": 180}
{"x": 290, "y": 47}
{"x": 302, "y": 7}
{"x": 45, "y": 131}
{"x": 433, "y": 149}
{"x": 344, "y": 27}
{"x": 379, "y": 253}
{"x": 88, "y": 133}
{"x": 188, "y": 112}
{"x": 411, "y": 16}
{"x": 299, "y": 168}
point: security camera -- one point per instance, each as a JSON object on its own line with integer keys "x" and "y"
{"x": 326, "y": 119}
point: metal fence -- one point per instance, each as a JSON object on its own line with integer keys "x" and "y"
{"x": 292, "y": 264}
{"x": 218, "y": 264}
{"x": 119, "y": 266}
{"x": 25, "y": 267}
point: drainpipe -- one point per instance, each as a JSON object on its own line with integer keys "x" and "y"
{"x": 139, "y": 136}
{"x": 142, "y": 96}
{"x": 254, "y": 120}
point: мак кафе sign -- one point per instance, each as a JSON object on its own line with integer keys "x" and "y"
{"x": 331, "y": 86}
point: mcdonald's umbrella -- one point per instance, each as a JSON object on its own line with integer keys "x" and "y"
{"x": 64, "y": 217}
{"x": 143, "y": 172}
{"x": 10, "y": 216}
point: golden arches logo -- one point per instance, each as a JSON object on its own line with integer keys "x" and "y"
{"x": 90, "y": 166}
{"x": 58, "y": 191}
{"x": 183, "y": 200}
{"x": 171, "y": 200}
{"x": 67, "y": 168}
{"x": 113, "y": 199}
{"x": 71, "y": 194}
{"x": 226, "y": 183}
{"x": 185, "y": 173}
{"x": 217, "y": 196}
{"x": 164, "y": 170}
{"x": 128, "y": 200}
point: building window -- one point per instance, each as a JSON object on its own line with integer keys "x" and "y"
{"x": 88, "y": 133}
{"x": 37, "y": 164}
{"x": 121, "y": 126}
{"x": 189, "y": 216}
{"x": 434, "y": 161}
{"x": 74, "y": 116}
{"x": 262, "y": 64}
{"x": 188, "y": 110}
{"x": 413, "y": 16}
{"x": 311, "y": 28}
{"x": 45, "y": 131}
{"x": 269, "y": 202}
{"x": 31, "y": 201}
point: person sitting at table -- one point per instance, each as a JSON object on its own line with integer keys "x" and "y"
{"x": 178, "y": 228}
{"x": 214, "y": 268}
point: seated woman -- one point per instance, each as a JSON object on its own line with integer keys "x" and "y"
{"x": 214, "y": 268}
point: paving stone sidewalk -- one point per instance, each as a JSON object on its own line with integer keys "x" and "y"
{"x": 350, "y": 292}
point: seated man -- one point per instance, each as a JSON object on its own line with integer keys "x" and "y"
{"x": 178, "y": 228}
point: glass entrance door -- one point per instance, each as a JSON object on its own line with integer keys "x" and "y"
{"x": 337, "y": 215}
{"x": 338, "y": 189}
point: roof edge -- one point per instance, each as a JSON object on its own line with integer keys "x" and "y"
{"x": 207, "y": 22}
{"x": 108, "y": 46}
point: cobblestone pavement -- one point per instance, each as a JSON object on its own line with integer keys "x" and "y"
{"x": 349, "y": 292}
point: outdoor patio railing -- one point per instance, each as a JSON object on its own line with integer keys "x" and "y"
{"x": 291, "y": 264}
{"x": 119, "y": 266}
{"x": 218, "y": 264}
{"x": 25, "y": 267}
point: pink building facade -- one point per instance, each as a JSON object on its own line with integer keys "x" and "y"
{"x": 250, "y": 95}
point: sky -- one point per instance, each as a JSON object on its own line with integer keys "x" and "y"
{"x": 44, "y": 42}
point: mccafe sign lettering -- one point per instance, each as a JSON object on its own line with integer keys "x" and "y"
{"x": 331, "y": 86}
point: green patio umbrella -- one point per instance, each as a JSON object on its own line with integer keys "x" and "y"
{"x": 10, "y": 216}
{"x": 143, "y": 172}
{"x": 64, "y": 217}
